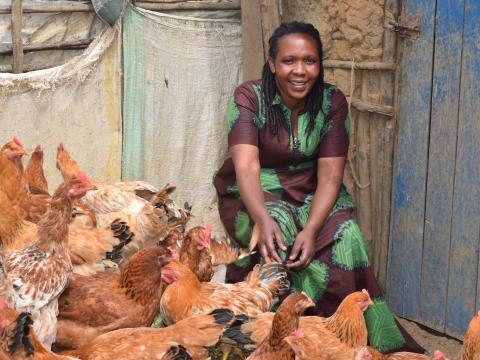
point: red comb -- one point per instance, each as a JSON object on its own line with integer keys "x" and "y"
{"x": 208, "y": 234}
{"x": 297, "y": 334}
{"x": 60, "y": 147}
{"x": 38, "y": 148}
{"x": 80, "y": 175}
{"x": 16, "y": 140}
{"x": 3, "y": 304}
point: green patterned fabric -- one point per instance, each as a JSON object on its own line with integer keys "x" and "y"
{"x": 313, "y": 279}
{"x": 243, "y": 228}
{"x": 233, "y": 114}
{"x": 349, "y": 250}
{"x": 383, "y": 332}
{"x": 268, "y": 180}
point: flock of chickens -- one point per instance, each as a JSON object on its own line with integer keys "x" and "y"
{"x": 87, "y": 270}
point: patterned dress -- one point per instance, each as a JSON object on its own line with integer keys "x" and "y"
{"x": 288, "y": 179}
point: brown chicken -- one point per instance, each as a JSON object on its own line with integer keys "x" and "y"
{"x": 87, "y": 247}
{"x": 185, "y": 295}
{"x": 37, "y": 183}
{"x": 18, "y": 340}
{"x": 346, "y": 324}
{"x": 195, "y": 253}
{"x": 200, "y": 252}
{"x": 36, "y": 275}
{"x": 471, "y": 342}
{"x": 194, "y": 333}
{"x": 284, "y": 323}
{"x": 29, "y": 206}
{"x": 315, "y": 346}
{"x": 93, "y": 305}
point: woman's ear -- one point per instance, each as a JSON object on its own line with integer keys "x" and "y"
{"x": 271, "y": 65}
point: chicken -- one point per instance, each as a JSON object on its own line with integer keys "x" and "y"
{"x": 195, "y": 254}
{"x": 314, "y": 346}
{"x": 284, "y": 323}
{"x": 346, "y": 324}
{"x": 87, "y": 247}
{"x": 194, "y": 333}
{"x": 18, "y": 340}
{"x": 185, "y": 295}
{"x": 37, "y": 183}
{"x": 471, "y": 342}
{"x": 200, "y": 253}
{"x": 93, "y": 305}
{"x": 36, "y": 275}
{"x": 28, "y": 205}
{"x": 404, "y": 355}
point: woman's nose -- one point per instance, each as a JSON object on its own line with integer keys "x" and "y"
{"x": 299, "y": 68}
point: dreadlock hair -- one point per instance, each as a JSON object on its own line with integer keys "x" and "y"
{"x": 274, "y": 115}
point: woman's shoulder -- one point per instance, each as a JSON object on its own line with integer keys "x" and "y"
{"x": 248, "y": 93}
{"x": 333, "y": 98}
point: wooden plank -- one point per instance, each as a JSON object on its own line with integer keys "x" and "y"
{"x": 365, "y": 106}
{"x": 463, "y": 300}
{"x": 74, "y": 6}
{"x": 408, "y": 198}
{"x": 252, "y": 41}
{"x": 17, "y": 36}
{"x": 64, "y": 45}
{"x": 364, "y": 206}
{"x": 50, "y": 6}
{"x": 366, "y": 65}
{"x": 270, "y": 15}
{"x": 382, "y": 141}
{"x": 190, "y": 5}
{"x": 441, "y": 164}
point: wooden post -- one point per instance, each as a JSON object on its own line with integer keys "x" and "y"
{"x": 270, "y": 14}
{"x": 17, "y": 36}
{"x": 252, "y": 40}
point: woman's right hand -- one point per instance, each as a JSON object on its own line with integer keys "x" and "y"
{"x": 270, "y": 235}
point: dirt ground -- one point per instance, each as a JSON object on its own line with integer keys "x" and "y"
{"x": 432, "y": 340}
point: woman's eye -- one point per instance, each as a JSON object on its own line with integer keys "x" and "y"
{"x": 288, "y": 61}
{"x": 310, "y": 61}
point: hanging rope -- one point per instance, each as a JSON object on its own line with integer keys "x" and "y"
{"x": 353, "y": 146}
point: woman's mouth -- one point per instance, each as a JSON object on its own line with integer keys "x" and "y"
{"x": 298, "y": 85}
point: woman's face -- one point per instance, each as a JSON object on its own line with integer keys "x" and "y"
{"x": 296, "y": 68}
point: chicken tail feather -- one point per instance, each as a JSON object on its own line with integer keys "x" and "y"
{"x": 222, "y": 316}
{"x": 273, "y": 276}
{"x": 122, "y": 232}
{"x": 177, "y": 352}
{"x": 235, "y": 335}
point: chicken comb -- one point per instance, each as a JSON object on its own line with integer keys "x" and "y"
{"x": 38, "y": 148}
{"x": 17, "y": 141}
{"x": 3, "y": 304}
{"x": 60, "y": 147}
{"x": 296, "y": 334}
{"x": 365, "y": 291}
{"x": 80, "y": 175}
{"x": 207, "y": 234}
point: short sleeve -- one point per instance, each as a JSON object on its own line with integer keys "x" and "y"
{"x": 335, "y": 141}
{"x": 242, "y": 110}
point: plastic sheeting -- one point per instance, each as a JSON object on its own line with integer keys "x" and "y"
{"x": 78, "y": 103}
{"x": 178, "y": 76}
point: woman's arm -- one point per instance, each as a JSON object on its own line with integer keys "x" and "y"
{"x": 329, "y": 179}
{"x": 247, "y": 170}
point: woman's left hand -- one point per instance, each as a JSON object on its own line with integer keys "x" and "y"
{"x": 303, "y": 250}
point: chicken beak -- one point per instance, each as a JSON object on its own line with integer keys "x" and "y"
{"x": 24, "y": 153}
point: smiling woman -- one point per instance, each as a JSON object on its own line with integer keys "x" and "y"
{"x": 288, "y": 139}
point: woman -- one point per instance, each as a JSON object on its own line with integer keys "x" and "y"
{"x": 288, "y": 140}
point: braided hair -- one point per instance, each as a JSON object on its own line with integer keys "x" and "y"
{"x": 274, "y": 115}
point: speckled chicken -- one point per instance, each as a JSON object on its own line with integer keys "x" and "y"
{"x": 36, "y": 275}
